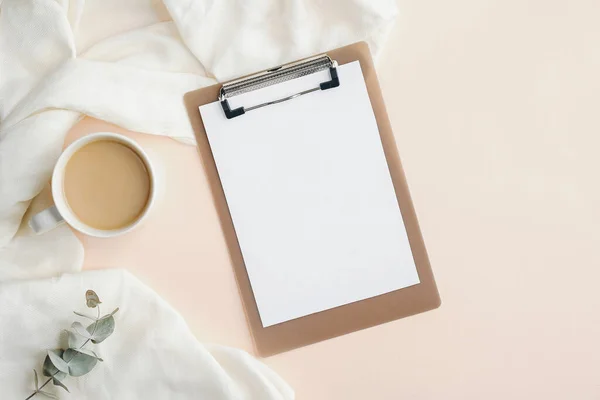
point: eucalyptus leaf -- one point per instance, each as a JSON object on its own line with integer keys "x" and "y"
{"x": 75, "y": 341}
{"x": 84, "y": 316}
{"x": 79, "y": 364}
{"x": 101, "y": 329}
{"x": 35, "y": 379}
{"x": 79, "y": 329}
{"x": 91, "y": 299}
{"x": 50, "y": 370}
{"x": 60, "y": 376}
{"x": 88, "y": 352}
{"x": 49, "y": 395}
{"x": 60, "y": 384}
{"x": 58, "y": 362}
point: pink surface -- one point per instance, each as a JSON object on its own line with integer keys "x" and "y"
{"x": 493, "y": 104}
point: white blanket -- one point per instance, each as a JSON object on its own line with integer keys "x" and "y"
{"x": 150, "y": 355}
{"x": 128, "y": 62}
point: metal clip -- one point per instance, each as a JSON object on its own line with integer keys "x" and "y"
{"x": 274, "y": 76}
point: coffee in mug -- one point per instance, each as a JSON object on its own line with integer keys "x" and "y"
{"x": 106, "y": 184}
{"x": 102, "y": 185}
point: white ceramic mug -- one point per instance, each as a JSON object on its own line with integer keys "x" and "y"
{"x": 61, "y": 212}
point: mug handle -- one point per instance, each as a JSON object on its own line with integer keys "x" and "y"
{"x": 46, "y": 220}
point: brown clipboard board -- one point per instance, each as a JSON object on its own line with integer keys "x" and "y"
{"x": 351, "y": 317}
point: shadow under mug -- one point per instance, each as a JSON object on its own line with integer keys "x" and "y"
{"x": 61, "y": 212}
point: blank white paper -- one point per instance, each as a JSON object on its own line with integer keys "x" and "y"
{"x": 311, "y": 197}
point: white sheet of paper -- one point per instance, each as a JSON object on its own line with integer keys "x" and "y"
{"x": 311, "y": 197}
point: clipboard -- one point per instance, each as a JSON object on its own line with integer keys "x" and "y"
{"x": 347, "y": 318}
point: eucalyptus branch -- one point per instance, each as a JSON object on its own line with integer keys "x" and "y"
{"x": 39, "y": 390}
{"x": 76, "y": 359}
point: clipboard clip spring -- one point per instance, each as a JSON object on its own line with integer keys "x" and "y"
{"x": 274, "y": 76}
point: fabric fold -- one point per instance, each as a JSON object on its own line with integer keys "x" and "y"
{"x": 252, "y": 36}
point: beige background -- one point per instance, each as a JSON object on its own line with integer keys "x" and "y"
{"x": 495, "y": 106}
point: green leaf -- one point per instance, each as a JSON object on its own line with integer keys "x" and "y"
{"x": 50, "y": 395}
{"x": 84, "y": 316}
{"x": 88, "y": 352}
{"x": 58, "y": 362}
{"x": 60, "y": 376}
{"x": 50, "y": 370}
{"x": 91, "y": 299}
{"x": 75, "y": 340}
{"x": 60, "y": 384}
{"x": 79, "y": 329}
{"x": 79, "y": 364}
{"x": 35, "y": 379}
{"x": 101, "y": 329}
